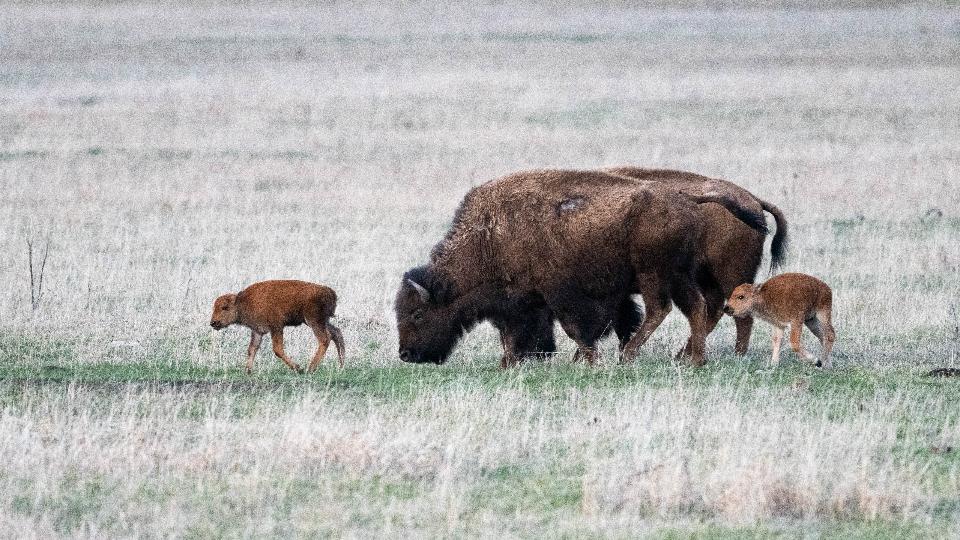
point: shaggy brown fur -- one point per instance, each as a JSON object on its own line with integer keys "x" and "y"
{"x": 731, "y": 253}
{"x": 789, "y": 300}
{"x": 575, "y": 242}
{"x": 269, "y": 306}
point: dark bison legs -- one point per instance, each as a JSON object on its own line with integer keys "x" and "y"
{"x": 744, "y": 328}
{"x": 628, "y": 321}
{"x": 713, "y": 298}
{"x": 532, "y": 333}
{"x": 585, "y": 320}
{"x": 689, "y": 299}
{"x": 656, "y": 307}
{"x": 525, "y": 333}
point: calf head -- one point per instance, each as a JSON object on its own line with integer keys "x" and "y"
{"x": 428, "y": 324}
{"x": 742, "y": 300}
{"x": 224, "y": 311}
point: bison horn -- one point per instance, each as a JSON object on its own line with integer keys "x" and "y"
{"x": 421, "y": 290}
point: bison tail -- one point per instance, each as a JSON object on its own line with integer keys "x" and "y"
{"x": 754, "y": 220}
{"x": 778, "y": 247}
{"x": 337, "y": 338}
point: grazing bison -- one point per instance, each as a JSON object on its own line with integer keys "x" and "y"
{"x": 731, "y": 255}
{"x": 269, "y": 306}
{"x": 576, "y": 243}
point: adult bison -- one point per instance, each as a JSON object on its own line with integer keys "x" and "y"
{"x": 576, "y": 243}
{"x": 731, "y": 255}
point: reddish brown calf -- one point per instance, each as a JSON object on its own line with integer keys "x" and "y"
{"x": 789, "y": 300}
{"x": 269, "y": 306}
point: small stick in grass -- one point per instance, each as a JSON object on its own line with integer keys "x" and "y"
{"x": 269, "y": 306}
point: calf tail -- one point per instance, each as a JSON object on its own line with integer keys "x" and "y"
{"x": 337, "y": 338}
{"x": 778, "y": 247}
{"x": 752, "y": 219}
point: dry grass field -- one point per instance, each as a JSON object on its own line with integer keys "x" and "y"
{"x": 166, "y": 155}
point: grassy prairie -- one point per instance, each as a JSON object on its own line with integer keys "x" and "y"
{"x": 170, "y": 154}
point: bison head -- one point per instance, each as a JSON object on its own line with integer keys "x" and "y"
{"x": 224, "y": 311}
{"x": 428, "y": 323}
{"x": 741, "y": 300}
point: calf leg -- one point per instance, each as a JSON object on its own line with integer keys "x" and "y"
{"x": 255, "y": 338}
{"x": 817, "y": 330}
{"x": 795, "y": 328}
{"x": 777, "y": 340}
{"x": 821, "y": 326}
{"x": 277, "y": 337}
{"x": 337, "y": 338}
{"x": 323, "y": 341}
{"x": 744, "y": 328}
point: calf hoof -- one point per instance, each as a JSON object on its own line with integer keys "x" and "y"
{"x": 818, "y": 363}
{"x": 298, "y": 369}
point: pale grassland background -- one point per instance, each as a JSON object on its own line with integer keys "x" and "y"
{"x": 175, "y": 153}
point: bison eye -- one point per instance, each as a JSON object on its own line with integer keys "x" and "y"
{"x": 741, "y": 297}
{"x": 417, "y": 315}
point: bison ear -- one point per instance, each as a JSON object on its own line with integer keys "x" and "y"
{"x": 421, "y": 290}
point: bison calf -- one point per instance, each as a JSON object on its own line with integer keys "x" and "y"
{"x": 789, "y": 300}
{"x": 269, "y": 306}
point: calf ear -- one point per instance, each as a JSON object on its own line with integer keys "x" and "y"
{"x": 421, "y": 290}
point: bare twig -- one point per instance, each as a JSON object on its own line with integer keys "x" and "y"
{"x": 36, "y": 274}
{"x": 33, "y": 301}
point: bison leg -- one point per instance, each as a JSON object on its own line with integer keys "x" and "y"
{"x": 586, "y": 347}
{"x": 713, "y": 317}
{"x": 656, "y": 307}
{"x": 277, "y": 337}
{"x": 255, "y": 338}
{"x": 524, "y": 334}
{"x": 323, "y": 341}
{"x": 585, "y": 320}
{"x": 628, "y": 321}
{"x": 713, "y": 298}
{"x": 744, "y": 328}
{"x": 691, "y": 302}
